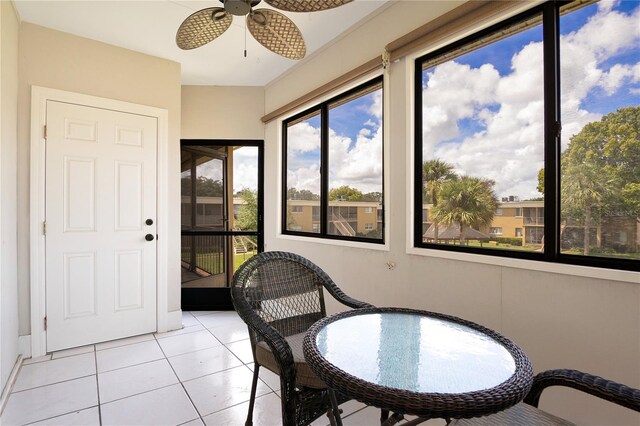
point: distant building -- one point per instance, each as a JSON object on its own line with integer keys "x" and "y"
{"x": 209, "y": 211}
{"x": 513, "y": 219}
{"x": 348, "y": 218}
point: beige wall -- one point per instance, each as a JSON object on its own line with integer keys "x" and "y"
{"x": 9, "y": 23}
{"x": 215, "y": 112}
{"x": 62, "y": 61}
{"x": 562, "y": 319}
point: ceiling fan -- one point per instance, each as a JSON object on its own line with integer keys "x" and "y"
{"x": 270, "y": 28}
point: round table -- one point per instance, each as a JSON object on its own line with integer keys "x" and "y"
{"x": 418, "y": 363}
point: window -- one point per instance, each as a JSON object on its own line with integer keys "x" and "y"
{"x": 495, "y": 231}
{"x": 332, "y": 155}
{"x": 296, "y": 209}
{"x": 489, "y": 109}
{"x": 368, "y": 226}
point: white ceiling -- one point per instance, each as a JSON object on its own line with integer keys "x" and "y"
{"x": 150, "y": 26}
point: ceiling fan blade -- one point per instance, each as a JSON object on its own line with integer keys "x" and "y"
{"x": 277, "y": 33}
{"x": 202, "y": 27}
{"x": 306, "y": 5}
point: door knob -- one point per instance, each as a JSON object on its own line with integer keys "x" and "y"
{"x": 149, "y": 222}
{"x": 149, "y": 237}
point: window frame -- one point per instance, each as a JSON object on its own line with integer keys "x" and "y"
{"x": 550, "y": 13}
{"x": 323, "y": 110}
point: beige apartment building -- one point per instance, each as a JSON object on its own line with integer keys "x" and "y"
{"x": 513, "y": 219}
{"x": 347, "y": 218}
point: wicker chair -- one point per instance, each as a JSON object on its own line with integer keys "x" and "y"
{"x": 279, "y": 296}
{"x": 527, "y": 413}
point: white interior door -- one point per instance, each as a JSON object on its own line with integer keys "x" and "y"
{"x": 100, "y": 205}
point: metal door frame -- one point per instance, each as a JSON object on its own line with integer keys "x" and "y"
{"x": 219, "y": 299}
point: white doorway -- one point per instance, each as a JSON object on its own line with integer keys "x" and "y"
{"x": 100, "y": 204}
{"x": 95, "y": 193}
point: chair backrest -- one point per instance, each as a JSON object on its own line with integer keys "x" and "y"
{"x": 283, "y": 289}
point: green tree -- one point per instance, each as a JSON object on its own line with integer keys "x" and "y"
{"x": 303, "y": 194}
{"x": 345, "y": 193}
{"x": 247, "y": 219}
{"x": 467, "y": 201}
{"x": 372, "y": 196}
{"x": 205, "y": 187}
{"x": 585, "y": 189}
{"x": 612, "y": 145}
{"x": 601, "y": 170}
{"x": 540, "y": 186}
{"x": 434, "y": 174}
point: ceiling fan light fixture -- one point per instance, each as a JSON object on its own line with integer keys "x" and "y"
{"x": 218, "y": 14}
{"x": 259, "y": 18}
{"x": 239, "y": 7}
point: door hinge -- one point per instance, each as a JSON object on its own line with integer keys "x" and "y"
{"x": 44, "y": 228}
{"x": 45, "y": 323}
{"x": 45, "y": 132}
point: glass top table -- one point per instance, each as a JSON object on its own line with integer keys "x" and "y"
{"x": 417, "y": 362}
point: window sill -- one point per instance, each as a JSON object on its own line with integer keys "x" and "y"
{"x": 328, "y": 241}
{"x": 532, "y": 265}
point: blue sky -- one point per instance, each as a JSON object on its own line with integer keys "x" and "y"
{"x": 348, "y": 119}
{"x": 482, "y": 112}
{"x": 355, "y": 147}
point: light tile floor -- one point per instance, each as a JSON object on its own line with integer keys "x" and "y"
{"x": 198, "y": 375}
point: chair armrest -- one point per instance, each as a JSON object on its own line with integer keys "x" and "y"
{"x": 597, "y": 386}
{"x": 349, "y": 301}
{"x": 339, "y": 295}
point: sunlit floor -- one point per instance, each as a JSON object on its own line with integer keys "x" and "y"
{"x": 194, "y": 376}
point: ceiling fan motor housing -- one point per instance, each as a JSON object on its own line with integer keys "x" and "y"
{"x": 239, "y": 7}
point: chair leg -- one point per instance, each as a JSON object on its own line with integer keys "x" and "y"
{"x": 337, "y": 420}
{"x": 252, "y": 400}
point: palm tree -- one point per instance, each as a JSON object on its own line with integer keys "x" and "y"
{"x": 584, "y": 188}
{"x": 434, "y": 174}
{"x": 468, "y": 202}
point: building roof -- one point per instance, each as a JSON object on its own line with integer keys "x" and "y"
{"x": 452, "y": 232}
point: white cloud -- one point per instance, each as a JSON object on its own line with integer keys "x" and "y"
{"x": 359, "y": 167}
{"x": 303, "y": 159}
{"x": 245, "y": 168}
{"x": 303, "y": 137}
{"x": 304, "y": 178}
{"x": 508, "y": 109}
{"x": 612, "y": 80}
{"x": 454, "y": 91}
{"x": 376, "y": 107}
{"x": 354, "y": 163}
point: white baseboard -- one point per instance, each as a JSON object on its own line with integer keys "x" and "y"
{"x": 10, "y": 382}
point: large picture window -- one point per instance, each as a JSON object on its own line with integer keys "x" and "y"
{"x": 531, "y": 128}
{"x": 333, "y": 168}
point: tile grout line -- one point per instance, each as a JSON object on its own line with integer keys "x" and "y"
{"x": 53, "y": 383}
{"x": 60, "y": 415}
{"x": 65, "y": 381}
{"x": 180, "y": 381}
{"x": 95, "y": 358}
{"x": 157, "y": 339}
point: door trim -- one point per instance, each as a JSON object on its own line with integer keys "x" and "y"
{"x": 39, "y": 98}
